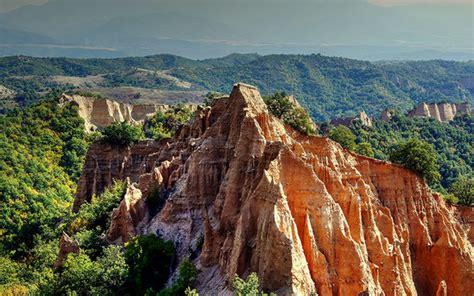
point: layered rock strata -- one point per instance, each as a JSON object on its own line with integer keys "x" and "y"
{"x": 443, "y": 112}
{"x": 302, "y": 212}
{"x": 100, "y": 112}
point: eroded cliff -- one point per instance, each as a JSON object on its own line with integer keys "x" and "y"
{"x": 302, "y": 212}
{"x": 440, "y": 111}
{"x": 100, "y": 112}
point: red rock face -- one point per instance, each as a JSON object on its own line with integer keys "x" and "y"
{"x": 302, "y": 212}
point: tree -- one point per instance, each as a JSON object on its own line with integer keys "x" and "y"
{"x": 418, "y": 156}
{"x": 343, "y": 136}
{"x": 165, "y": 124}
{"x": 250, "y": 286}
{"x": 280, "y": 106}
{"x": 122, "y": 133}
{"x": 83, "y": 276}
{"x": 365, "y": 148}
{"x": 186, "y": 280}
{"x": 463, "y": 189}
{"x": 149, "y": 259}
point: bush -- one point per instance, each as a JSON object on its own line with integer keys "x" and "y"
{"x": 187, "y": 279}
{"x": 364, "y": 148}
{"x": 248, "y": 287}
{"x": 149, "y": 259}
{"x": 343, "y": 136}
{"x": 463, "y": 190}
{"x": 82, "y": 276}
{"x": 97, "y": 212}
{"x": 420, "y": 157}
{"x": 280, "y": 106}
{"x": 122, "y": 133}
{"x": 164, "y": 125}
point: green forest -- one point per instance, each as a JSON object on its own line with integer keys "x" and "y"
{"x": 326, "y": 86}
{"x": 42, "y": 150}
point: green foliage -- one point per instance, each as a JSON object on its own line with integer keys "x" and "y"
{"x": 248, "y": 287}
{"x": 149, "y": 259}
{"x": 327, "y": 86}
{"x": 420, "y": 157}
{"x": 365, "y": 148}
{"x": 453, "y": 141}
{"x": 280, "y": 106}
{"x": 97, "y": 212}
{"x": 186, "y": 279}
{"x": 191, "y": 292}
{"x": 344, "y": 136}
{"x": 122, "y": 133}
{"x": 164, "y": 125}
{"x": 463, "y": 190}
{"x": 82, "y": 276}
{"x": 42, "y": 150}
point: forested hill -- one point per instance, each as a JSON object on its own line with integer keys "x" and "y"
{"x": 327, "y": 86}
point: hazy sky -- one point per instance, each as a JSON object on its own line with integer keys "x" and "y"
{"x": 7, "y": 5}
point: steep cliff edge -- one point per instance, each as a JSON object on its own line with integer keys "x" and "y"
{"x": 301, "y": 211}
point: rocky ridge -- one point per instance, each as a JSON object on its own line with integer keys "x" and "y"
{"x": 348, "y": 121}
{"x": 100, "y": 112}
{"x": 302, "y": 212}
{"x": 443, "y": 112}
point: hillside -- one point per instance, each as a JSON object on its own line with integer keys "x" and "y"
{"x": 327, "y": 86}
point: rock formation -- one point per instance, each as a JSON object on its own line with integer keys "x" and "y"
{"x": 348, "y": 121}
{"x": 302, "y": 212}
{"x": 66, "y": 246}
{"x": 443, "y": 112}
{"x": 100, "y": 112}
{"x": 386, "y": 115}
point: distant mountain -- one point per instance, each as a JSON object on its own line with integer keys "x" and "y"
{"x": 327, "y": 86}
{"x": 12, "y": 36}
{"x": 209, "y": 28}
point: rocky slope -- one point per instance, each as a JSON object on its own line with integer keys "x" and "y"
{"x": 348, "y": 121}
{"x": 442, "y": 112}
{"x": 100, "y": 112}
{"x": 302, "y": 212}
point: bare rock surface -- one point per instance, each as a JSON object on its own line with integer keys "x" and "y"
{"x": 443, "y": 112}
{"x": 66, "y": 246}
{"x": 302, "y": 212}
{"x": 100, "y": 112}
{"x": 348, "y": 121}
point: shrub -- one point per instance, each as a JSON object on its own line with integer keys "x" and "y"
{"x": 364, "y": 148}
{"x": 187, "y": 279}
{"x": 149, "y": 259}
{"x": 164, "y": 125}
{"x": 122, "y": 133}
{"x": 418, "y": 156}
{"x": 463, "y": 190}
{"x": 82, "y": 276}
{"x": 280, "y": 106}
{"x": 248, "y": 287}
{"x": 343, "y": 136}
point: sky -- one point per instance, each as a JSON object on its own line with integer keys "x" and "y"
{"x": 366, "y": 29}
{"x": 7, "y": 5}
